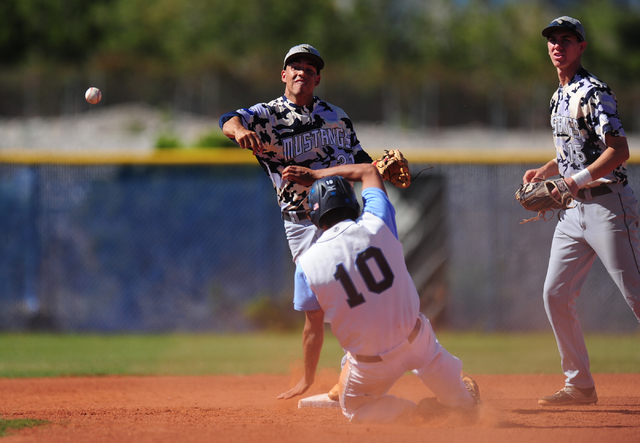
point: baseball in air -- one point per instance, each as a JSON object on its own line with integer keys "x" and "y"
{"x": 93, "y": 95}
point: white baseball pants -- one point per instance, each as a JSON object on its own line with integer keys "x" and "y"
{"x": 606, "y": 226}
{"x": 300, "y": 236}
{"x": 364, "y": 386}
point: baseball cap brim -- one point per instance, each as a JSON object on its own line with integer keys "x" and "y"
{"x": 307, "y": 51}
{"x": 549, "y": 30}
{"x": 566, "y": 24}
{"x": 316, "y": 60}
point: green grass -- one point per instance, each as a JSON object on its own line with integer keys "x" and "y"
{"x": 538, "y": 353}
{"x": 47, "y": 355}
{"x": 6, "y": 425}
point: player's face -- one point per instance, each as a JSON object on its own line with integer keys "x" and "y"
{"x": 301, "y": 78}
{"x": 565, "y": 49}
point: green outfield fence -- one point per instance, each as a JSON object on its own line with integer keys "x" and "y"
{"x": 185, "y": 240}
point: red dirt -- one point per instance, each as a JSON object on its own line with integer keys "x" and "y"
{"x": 245, "y": 409}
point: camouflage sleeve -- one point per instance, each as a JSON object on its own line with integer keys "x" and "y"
{"x": 600, "y": 108}
{"x": 226, "y": 117}
{"x": 362, "y": 157}
{"x": 359, "y": 154}
{"x": 250, "y": 117}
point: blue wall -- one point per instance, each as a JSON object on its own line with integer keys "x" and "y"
{"x": 140, "y": 248}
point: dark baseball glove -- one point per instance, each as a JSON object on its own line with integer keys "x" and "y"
{"x": 536, "y": 196}
{"x": 394, "y": 168}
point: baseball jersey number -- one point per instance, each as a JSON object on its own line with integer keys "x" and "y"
{"x": 354, "y": 297}
{"x": 576, "y": 153}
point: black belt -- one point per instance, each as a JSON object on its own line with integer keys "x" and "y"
{"x": 377, "y": 358}
{"x": 301, "y": 215}
{"x": 597, "y": 191}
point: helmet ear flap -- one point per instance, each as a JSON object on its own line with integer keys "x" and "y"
{"x": 313, "y": 204}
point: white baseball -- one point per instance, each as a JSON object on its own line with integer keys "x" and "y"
{"x": 93, "y": 95}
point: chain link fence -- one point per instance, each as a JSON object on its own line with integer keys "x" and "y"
{"x": 135, "y": 247}
{"x": 142, "y": 248}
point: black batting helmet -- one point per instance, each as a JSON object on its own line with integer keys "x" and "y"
{"x": 330, "y": 193}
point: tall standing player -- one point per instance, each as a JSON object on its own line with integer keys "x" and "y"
{"x": 297, "y": 128}
{"x": 591, "y": 154}
{"x": 355, "y": 274}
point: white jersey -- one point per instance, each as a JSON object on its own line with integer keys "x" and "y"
{"x": 357, "y": 273}
{"x": 582, "y": 112}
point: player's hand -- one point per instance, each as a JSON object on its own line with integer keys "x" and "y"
{"x": 249, "y": 140}
{"x": 532, "y": 175}
{"x": 299, "y": 389}
{"x": 299, "y": 174}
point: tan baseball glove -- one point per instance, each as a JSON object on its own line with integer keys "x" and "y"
{"x": 394, "y": 168}
{"x": 536, "y": 196}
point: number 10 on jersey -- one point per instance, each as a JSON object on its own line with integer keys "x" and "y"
{"x": 363, "y": 261}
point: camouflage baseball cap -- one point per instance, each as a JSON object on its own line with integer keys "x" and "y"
{"x": 568, "y": 23}
{"x": 307, "y": 51}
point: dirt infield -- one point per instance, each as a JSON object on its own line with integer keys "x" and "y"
{"x": 245, "y": 409}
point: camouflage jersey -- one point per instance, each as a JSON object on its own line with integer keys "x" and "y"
{"x": 582, "y": 112}
{"x": 294, "y": 135}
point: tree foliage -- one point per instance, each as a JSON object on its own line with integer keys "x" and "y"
{"x": 56, "y": 31}
{"x": 369, "y": 45}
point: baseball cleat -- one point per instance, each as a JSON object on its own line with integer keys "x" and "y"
{"x": 570, "y": 395}
{"x": 334, "y": 393}
{"x": 472, "y": 386}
